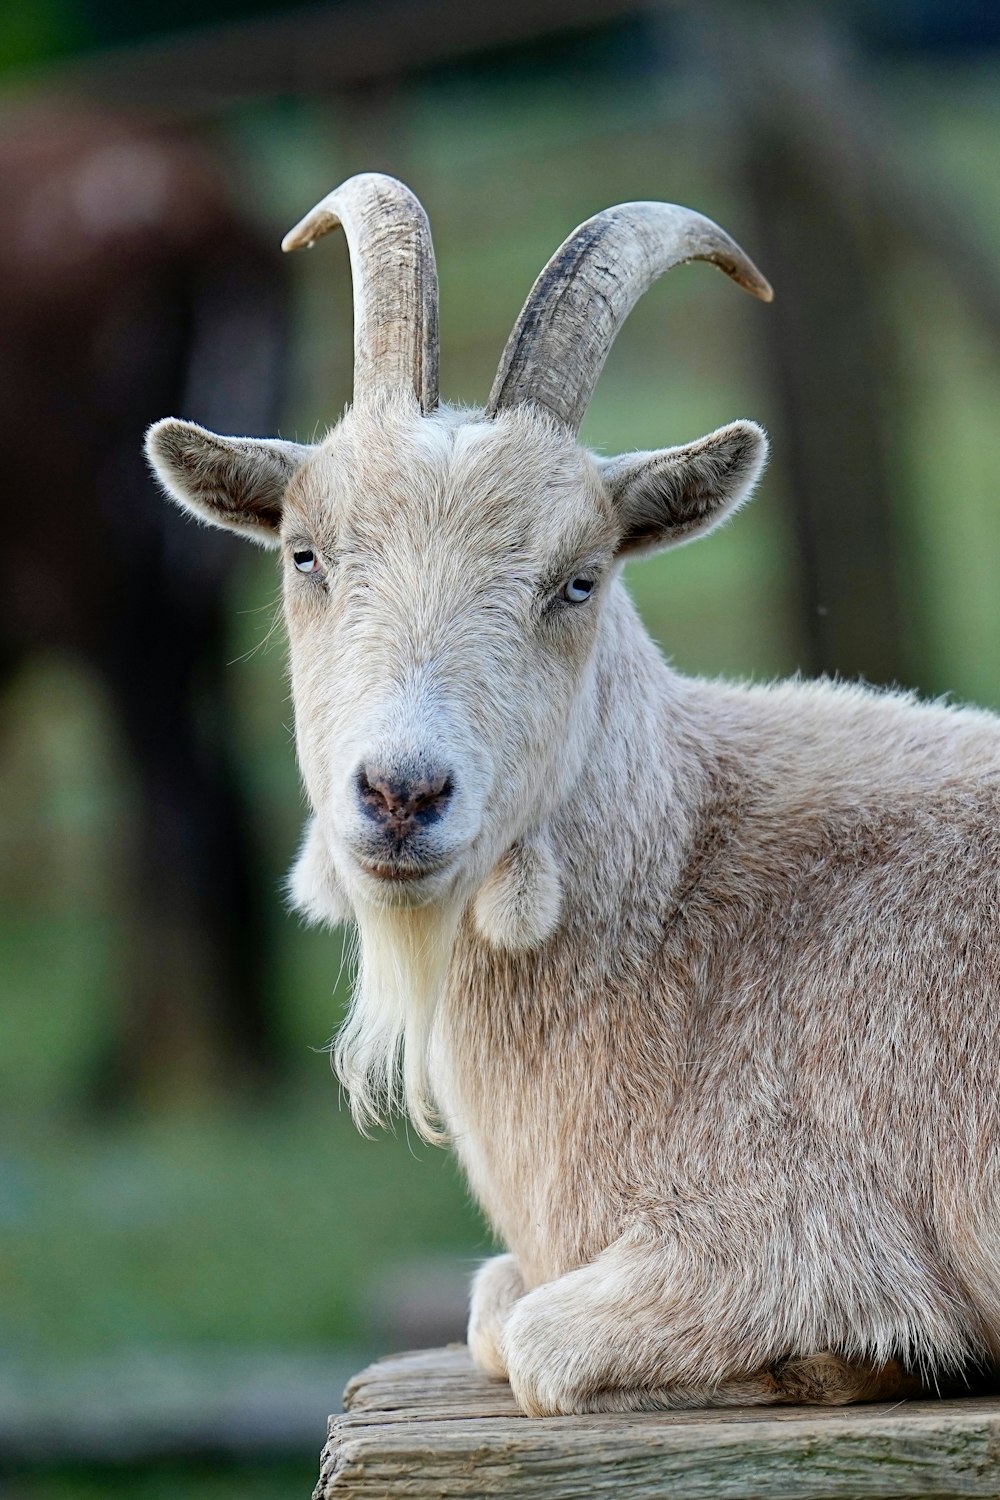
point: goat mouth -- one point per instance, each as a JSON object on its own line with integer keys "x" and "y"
{"x": 396, "y": 874}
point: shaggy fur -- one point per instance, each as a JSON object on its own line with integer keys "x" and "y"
{"x": 517, "y": 906}
{"x": 702, "y": 981}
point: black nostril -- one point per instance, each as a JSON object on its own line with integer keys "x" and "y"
{"x": 433, "y": 791}
{"x": 403, "y": 799}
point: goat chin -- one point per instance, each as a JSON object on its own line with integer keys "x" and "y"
{"x": 517, "y": 907}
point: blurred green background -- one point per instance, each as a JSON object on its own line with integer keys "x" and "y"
{"x": 189, "y": 1259}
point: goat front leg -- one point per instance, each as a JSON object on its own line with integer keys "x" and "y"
{"x": 496, "y": 1287}
{"x": 613, "y": 1336}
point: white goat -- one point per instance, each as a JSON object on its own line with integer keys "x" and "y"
{"x": 702, "y": 981}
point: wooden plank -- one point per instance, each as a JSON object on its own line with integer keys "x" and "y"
{"x": 428, "y": 1424}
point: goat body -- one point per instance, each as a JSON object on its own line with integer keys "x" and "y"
{"x": 746, "y": 1110}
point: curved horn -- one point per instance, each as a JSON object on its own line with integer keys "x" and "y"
{"x": 395, "y": 281}
{"x": 587, "y": 290}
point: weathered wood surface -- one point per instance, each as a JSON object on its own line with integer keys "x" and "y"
{"x": 428, "y": 1425}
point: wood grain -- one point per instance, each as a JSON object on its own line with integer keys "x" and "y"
{"x": 428, "y": 1424}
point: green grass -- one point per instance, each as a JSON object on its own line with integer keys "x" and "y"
{"x": 252, "y": 1229}
{"x": 167, "y": 1482}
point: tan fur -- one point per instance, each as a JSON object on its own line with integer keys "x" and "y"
{"x": 731, "y": 1098}
{"x": 517, "y": 905}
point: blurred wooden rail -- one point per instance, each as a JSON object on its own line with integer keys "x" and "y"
{"x": 312, "y": 50}
{"x": 427, "y": 1424}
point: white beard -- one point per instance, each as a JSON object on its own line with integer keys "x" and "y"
{"x": 381, "y": 1051}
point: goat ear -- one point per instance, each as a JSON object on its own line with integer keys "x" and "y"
{"x": 676, "y": 494}
{"x": 233, "y": 482}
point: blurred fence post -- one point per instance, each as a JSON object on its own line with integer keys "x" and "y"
{"x": 839, "y": 209}
{"x": 829, "y": 338}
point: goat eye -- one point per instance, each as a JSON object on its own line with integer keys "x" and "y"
{"x": 578, "y": 589}
{"x": 306, "y": 560}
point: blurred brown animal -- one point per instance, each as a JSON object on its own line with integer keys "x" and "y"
{"x": 130, "y": 279}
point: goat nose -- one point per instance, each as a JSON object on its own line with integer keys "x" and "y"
{"x": 403, "y": 801}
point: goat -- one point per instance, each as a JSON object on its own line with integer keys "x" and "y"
{"x": 701, "y": 980}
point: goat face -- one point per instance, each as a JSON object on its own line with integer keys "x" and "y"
{"x": 438, "y": 644}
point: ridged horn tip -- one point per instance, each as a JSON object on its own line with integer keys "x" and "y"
{"x": 756, "y": 284}
{"x": 318, "y": 222}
